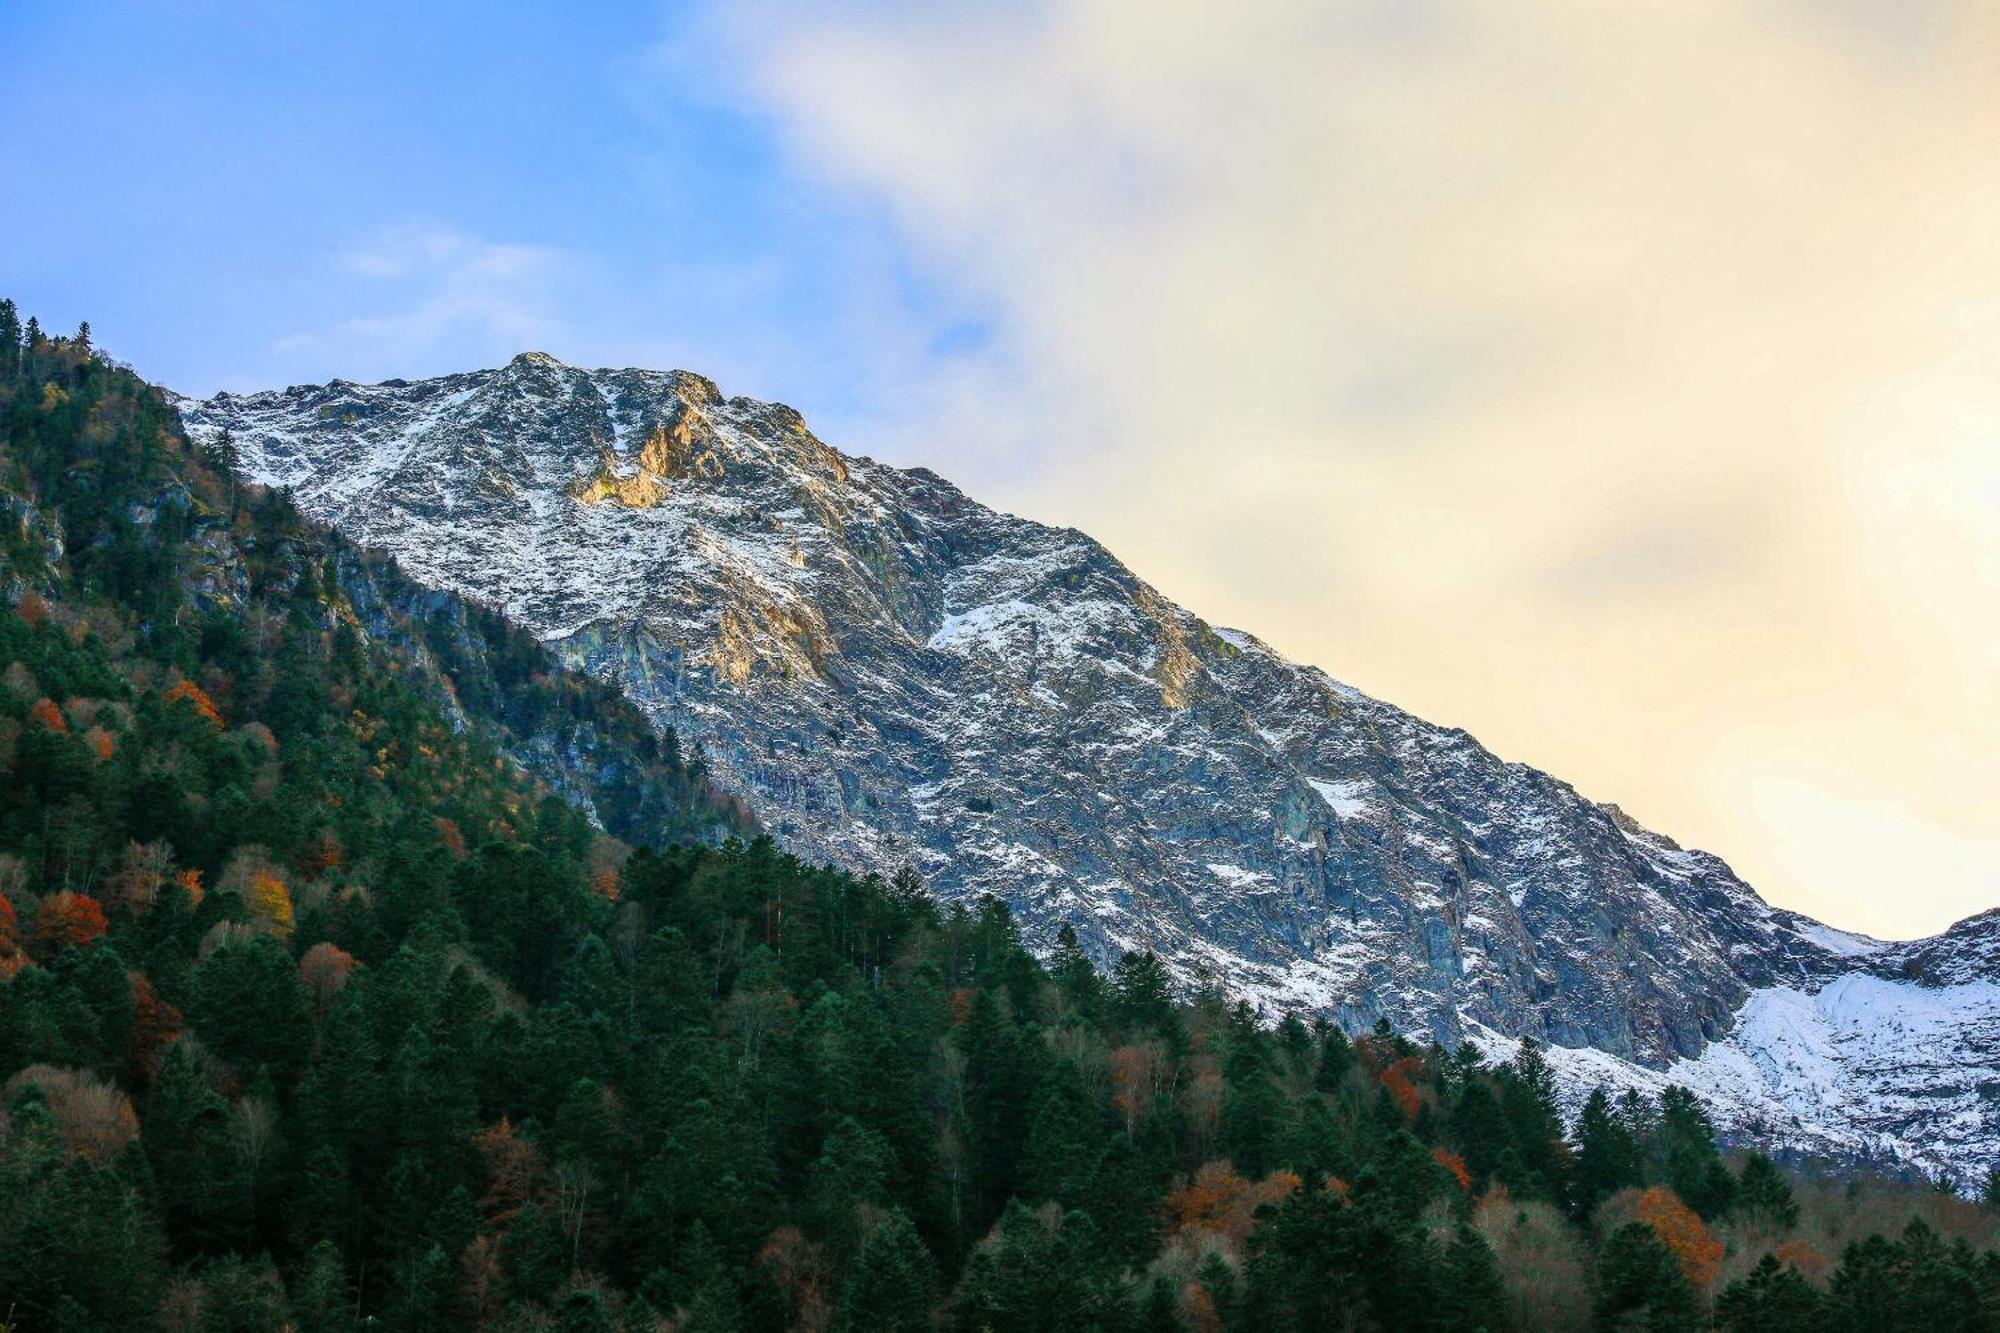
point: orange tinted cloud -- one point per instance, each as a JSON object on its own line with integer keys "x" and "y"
{"x": 1619, "y": 382}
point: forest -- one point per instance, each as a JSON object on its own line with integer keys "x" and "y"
{"x": 332, "y": 997}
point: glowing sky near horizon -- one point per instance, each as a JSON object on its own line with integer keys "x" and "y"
{"x": 1621, "y": 383}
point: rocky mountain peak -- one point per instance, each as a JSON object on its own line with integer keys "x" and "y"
{"x": 893, "y": 674}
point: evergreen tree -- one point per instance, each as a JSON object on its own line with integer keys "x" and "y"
{"x": 1143, "y": 997}
{"x": 1764, "y": 1196}
{"x": 1336, "y": 1057}
{"x": 1073, "y": 973}
{"x": 1685, "y": 1152}
{"x": 1472, "y": 1297}
{"x": 1159, "y": 1309}
{"x": 1252, "y": 1105}
{"x": 1772, "y": 1299}
{"x": 10, "y": 340}
{"x": 1639, "y": 1284}
{"x": 1607, "y": 1156}
{"x": 894, "y": 1282}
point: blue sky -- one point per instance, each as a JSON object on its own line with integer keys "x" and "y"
{"x": 246, "y": 194}
{"x": 1619, "y": 382}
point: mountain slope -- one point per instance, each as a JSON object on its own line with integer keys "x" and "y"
{"x": 894, "y": 674}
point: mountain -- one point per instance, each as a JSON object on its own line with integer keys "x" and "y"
{"x": 895, "y": 675}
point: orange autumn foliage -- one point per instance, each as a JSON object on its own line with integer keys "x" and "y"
{"x": 1216, "y": 1199}
{"x": 325, "y": 970}
{"x": 1396, "y": 1078}
{"x": 1453, "y": 1163}
{"x": 100, "y": 742}
{"x": 12, "y": 960}
{"x": 450, "y": 833}
{"x": 1682, "y": 1231}
{"x": 1801, "y": 1255}
{"x": 514, "y": 1171}
{"x": 32, "y": 608}
{"x": 46, "y": 715}
{"x": 69, "y": 920}
{"x": 198, "y": 699}
{"x": 155, "y": 1024}
{"x": 190, "y": 882}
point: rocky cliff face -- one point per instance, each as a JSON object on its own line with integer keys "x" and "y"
{"x": 893, "y": 674}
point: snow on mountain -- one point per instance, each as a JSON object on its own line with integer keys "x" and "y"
{"x": 893, "y": 674}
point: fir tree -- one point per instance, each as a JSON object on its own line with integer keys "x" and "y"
{"x": 894, "y": 1282}
{"x": 1764, "y": 1196}
{"x": 1639, "y": 1284}
{"x": 1607, "y": 1156}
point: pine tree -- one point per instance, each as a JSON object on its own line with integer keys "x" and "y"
{"x": 894, "y": 1282}
{"x": 321, "y": 1301}
{"x": 1689, "y": 1163}
{"x": 1159, "y": 1309}
{"x": 1144, "y": 997}
{"x": 1218, "y": 1281}
{"x": 1064, "y": 1141}
{"x": 1764, "y": 1196}
{"x": 1336, "y": 1057}
{"x": 1772, "y": 1299}
{"x": 1072, "y": 972}
{"x": 1607, "y": 1156}
{"x": 1472, "y": 1296}
{"x": 10, "y": 340}
{"x": 1639, "y": 1284}
{"x": 221, "y": 454}
{"x": 1251, "y": 1103}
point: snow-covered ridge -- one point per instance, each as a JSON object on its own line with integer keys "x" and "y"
{"x": 892, "y": 674}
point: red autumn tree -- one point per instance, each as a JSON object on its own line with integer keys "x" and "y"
{"x": 324, "y": 970}
{"x": 155, "y": 1024}
{"x": 69, "y": 920}
{"x": 46, "y": 715}
{"x": 1396, "y": 1078}
{"x": 197, "y": 698}
{"x": 1218, "y": 1200}
{"x": 12, "y": 960}
{"x": 1681, "y": 1229}
{"x": 1453, "y": 1163}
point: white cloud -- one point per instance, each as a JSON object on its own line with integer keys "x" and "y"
{"x": 1618, "y": 381}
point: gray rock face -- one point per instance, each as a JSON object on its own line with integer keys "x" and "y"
{"x": 893, "y": 674}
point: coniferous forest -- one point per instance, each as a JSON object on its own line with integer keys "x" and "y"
{"x": 362, "y": 968}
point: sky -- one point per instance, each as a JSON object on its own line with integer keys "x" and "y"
{"x": 1620, "y": 383}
